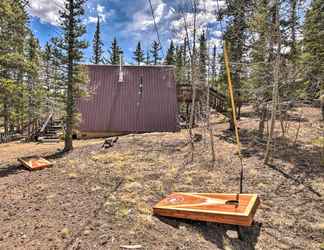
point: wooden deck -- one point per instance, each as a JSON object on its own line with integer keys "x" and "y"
{"x": 236, "y": 209}
{"x": 217, "y": 100}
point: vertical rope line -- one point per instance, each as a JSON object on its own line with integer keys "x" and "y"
{"x": 156, "y": 28}
{"x": 230, "y": 90}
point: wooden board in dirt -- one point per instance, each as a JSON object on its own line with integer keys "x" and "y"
{"x": 35, "y": 162}
{"x": 235, "y": 209}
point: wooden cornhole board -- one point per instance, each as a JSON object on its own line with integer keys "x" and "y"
{"x": 35, "y": 162}
{"x": 212, "y": 207}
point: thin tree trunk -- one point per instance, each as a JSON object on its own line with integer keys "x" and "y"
{"x": 5, "y": 115}
{"x": 209, "y": 128}
{"x": 275, "y": 91}
{"x": 70, "y": 95}
{"x": 298, "y": 129}
{"x": 193, "y": 76}
{"x": 264, "y": 115}
{"x": 322, "y": 105}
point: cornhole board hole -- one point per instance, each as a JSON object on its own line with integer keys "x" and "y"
{"x": 35, "y": 162}
{"x": 235, "y": 209}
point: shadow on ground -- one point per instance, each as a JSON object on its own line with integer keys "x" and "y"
{"x": 217, "y": 234}
{"x": 305, "y": 159}
{"x": 10, "y": 169}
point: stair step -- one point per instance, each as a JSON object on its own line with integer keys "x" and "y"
{"x": 51, "y": 137}
{"x": 51, "y": 131}
{"x": 44, "y": 139}
{"x": 55, "y": 127}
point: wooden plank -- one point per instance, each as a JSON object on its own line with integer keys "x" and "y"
{"x": 236, "y": 209}
{"x": 35, "y": 162}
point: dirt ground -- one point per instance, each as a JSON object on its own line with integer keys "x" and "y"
{"x": 102, "y": 199}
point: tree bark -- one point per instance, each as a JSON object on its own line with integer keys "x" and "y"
{"x": 275, "y": 91}
{"x": 70, "y": 95}
{"x": 5, "y": 115}
{"x": 263, "y": 118}
{"x": 194, "y": 78}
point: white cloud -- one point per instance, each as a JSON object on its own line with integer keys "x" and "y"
{"x": 47, "y": 11}
{"x": 206, "y": 17}
{"x": 99, "y": 12}
{"x": 92, "y": 19}
{"x": 100, "y": 8}
{"x": 143, "y": 20}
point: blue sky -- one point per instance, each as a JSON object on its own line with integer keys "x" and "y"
{"x": 129, "y": 21}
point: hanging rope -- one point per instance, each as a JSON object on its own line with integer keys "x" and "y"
{"x": 156, "y": 28}
{"x": 230, "y": 92}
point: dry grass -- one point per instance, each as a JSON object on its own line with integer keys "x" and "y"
{"x": 104, "y": 198}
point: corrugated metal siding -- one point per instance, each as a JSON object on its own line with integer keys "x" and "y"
{"x": 120, "y": 107}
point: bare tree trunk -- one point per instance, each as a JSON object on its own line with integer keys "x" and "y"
{"x": 263, "y": 118}
{"x": 298, "y": 129}
{"x": 70, "y": 95}
{"x": 194, "y": 79}
{"x": 5, "y": 115}
{"x": 275, "y": 91}
{"x": 322, "y": 105}
{"x": 209, "y": 128}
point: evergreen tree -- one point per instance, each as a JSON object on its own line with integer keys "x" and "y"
{"x": 179, "y": 65}
{"x": 72, "y": 46}
{"x": 170, "y": 58}
{"x": 139, "y": 54}
{"x": 13, "y": 66}
{"x": 203, "y": 57}
{"x": 33, "y": 85}
{"x": 262, "y": 56}
{"x": 147, "y": 58}
{"x": 186, "y": 61}
{"x": 313, "y": 53}
{"x": 236, "y": 37}
{"x": 214, "y": 66}
{"x": 115, "y": 53}
{"x": 97, "y": 57}
{"x": 47, "y": 63}
{"x": 57, "y": 89}
{"x": 155, "y": 52}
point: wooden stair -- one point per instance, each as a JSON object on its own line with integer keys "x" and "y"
{"x": 51, "y": 131}
{"x": 217, "y": 100}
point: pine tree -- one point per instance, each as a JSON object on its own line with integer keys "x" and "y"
{"x": 35, "y": 92}
{"x": 236, "y": 37}
{"x": 51, "y": 78}
{"x": 155, "y": 52}
{"x": 170, "y": 58}
{"x": 214, "y": 66}
{"x": 179, "y": 65}
{"x": 72, "y": 53}
{"x": 203, "y": 57}
{"x": 313, "y": 53}
{"x": 186, "y": 61}
{"x": 147, "y": 58}
{"x": 47, "y": 59}
{"x": 261, "y": 77}
{"x": 57, "y": 77}
{"x": 139, "y": 54}
{"x": 97, "y": 57}
{"x": 115, "y": 53}
{"x": 13, "y": 66}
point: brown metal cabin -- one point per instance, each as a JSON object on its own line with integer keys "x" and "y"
{"x": 130, "y": 99}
